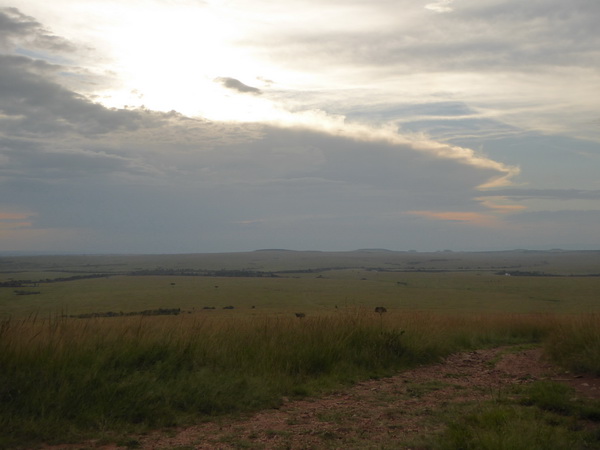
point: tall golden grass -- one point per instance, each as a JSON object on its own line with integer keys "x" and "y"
{"x": 63, "y": 378}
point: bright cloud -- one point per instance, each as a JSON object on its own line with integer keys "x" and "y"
{"x": 471, "y": 218}
{"x": 14, "y": 221}
{"x": 210, "y": 126}
{"x": 441, "y": 6}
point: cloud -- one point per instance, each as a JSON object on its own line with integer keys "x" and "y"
{"x": 567, "y": 228}
{"x": 237, "y": 85}
{"x": 511, "y": 35}
{"x": 172, "y": 175}
{"x": 550, "y": 200}
{"x": 499, "y": 204}
{"x": 471, "y": 218}
{"x": 20, "y": 29}
{"x": 121, "y": 172}
{"x": 38, "y": 105}
{"x": 35, "y": 105}
{"x": 396, "y": 141}
{"x": 552, "y": 194}
{"x": 14, "y": 220}
{"x": 504, "y": 59}
{"x": 441, "y": 6}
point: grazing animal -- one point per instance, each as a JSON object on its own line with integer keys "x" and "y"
{"x": 380, "y": 309}
{"x": 300, "y": 315}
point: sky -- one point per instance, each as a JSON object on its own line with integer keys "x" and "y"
{"x": 183, "y": 126}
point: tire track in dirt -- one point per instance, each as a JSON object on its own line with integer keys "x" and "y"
{"x": 394, "y": 412}
{"x": 379, "y": 413}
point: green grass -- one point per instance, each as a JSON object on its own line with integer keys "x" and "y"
{"x": 560, "y": 398}
{"x": 67, "y": 379}
{"x": 441, "y": 292}
{"x": 576, "y": 344}
{"x": 541, "y": 416}
{"x": 513, "y": 427}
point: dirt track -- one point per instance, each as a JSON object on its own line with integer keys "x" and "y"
{"x": 389, "y": 413}
{"x": 384, "y": 413}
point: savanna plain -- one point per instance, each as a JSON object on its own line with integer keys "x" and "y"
{"x": 101, "y": 351}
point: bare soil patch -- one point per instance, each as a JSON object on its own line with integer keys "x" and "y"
{"x": 395, "y": 412}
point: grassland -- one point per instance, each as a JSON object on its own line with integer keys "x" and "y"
{"x": 311, "y": 282}
{"x": 66, "y": 379}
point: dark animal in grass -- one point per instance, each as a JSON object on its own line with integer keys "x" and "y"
{"x": 300, "y": 315}
{"x": 380, "y": 309}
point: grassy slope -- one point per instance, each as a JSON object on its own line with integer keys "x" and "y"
{"x": 64, "y": 379}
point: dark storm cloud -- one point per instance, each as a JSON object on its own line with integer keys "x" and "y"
{"x": 36, "y": 105}
{"x": 17, "y": 28}
{"x": 31, "y": 161}
{"x": 50, "y": 132}
{"x": 237, "y": 85}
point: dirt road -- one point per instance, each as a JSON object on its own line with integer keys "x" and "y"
{"x": 393, "y": 412}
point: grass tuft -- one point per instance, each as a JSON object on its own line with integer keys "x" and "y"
{"x": 497, "y": 427}
{"x": 543, "y": 415}
{"x": 575, "y": 344}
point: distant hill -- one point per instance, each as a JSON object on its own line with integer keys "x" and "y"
{"x": 274, "y": 250}
{"x": 275, "y": 260}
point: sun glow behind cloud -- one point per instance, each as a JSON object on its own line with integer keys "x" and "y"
{"x": 368, "y": 107}
{"x": 170, "y": 59}
{"x": 176, "y": 59}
